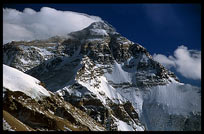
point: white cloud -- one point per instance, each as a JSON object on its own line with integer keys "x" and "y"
{"x": 186, "y": 62}
{"x": 48, "y": 22}
{"x": 164, "y": 60}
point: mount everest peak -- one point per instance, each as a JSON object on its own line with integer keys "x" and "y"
{"x": 111, "y": 79}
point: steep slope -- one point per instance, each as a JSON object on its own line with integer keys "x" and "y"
{"x": 10, "y": 123}
{"x": 23, "y": 112}
{"x": 175, "y": 106}
{"x": 15, "y": 80}
{"x": 112, "y": 79}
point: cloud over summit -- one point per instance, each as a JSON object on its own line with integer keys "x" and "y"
{"x": 48, "y": 22}
{"x": 186, "y": 62}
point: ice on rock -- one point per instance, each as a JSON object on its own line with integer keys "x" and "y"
{"x": 118, "y": 75}
{"x": 179, "y": 99}
{"x": 98, "y": 32}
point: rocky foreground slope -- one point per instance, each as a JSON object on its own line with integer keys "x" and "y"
{"x": 28, "y": 106}
{"x": 111, "y": 79}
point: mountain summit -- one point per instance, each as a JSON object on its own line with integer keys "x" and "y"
{"x": 113, "y": 80}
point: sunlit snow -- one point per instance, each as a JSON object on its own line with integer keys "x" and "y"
{"x": 15, "y": 80}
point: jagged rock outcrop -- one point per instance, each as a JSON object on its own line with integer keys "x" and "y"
{"x": 51, "y": 113}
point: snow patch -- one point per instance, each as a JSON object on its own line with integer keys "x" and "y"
{"x": 101, "y": 32}
{"x": 24, "y": 61}
{"x": 16, "y": 80}
{"x": 123, "y": 126}
{"x": 6, "y": 126}
{"x": 118, "y": 75}
{"x": 105, "y": 90}
{"x": 67, "y": 129}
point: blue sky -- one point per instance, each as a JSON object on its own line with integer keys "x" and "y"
{"x": 160, "y": 28}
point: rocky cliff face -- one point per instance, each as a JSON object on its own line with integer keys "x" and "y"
{"x": 51, "y": 113}
{"x": 103, "y": 74}
{"x": 41, "y": 112}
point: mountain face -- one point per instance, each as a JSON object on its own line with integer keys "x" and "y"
{"x": 110, "y": 79}
{"x": 28, "y": 106}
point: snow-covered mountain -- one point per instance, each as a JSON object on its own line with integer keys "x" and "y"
{"x": 114, "y": 80}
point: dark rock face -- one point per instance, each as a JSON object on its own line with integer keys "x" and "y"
{"x": 26, "y": 55}
{"x": 51, "y": 113}
{"x": 89, "y": 103}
